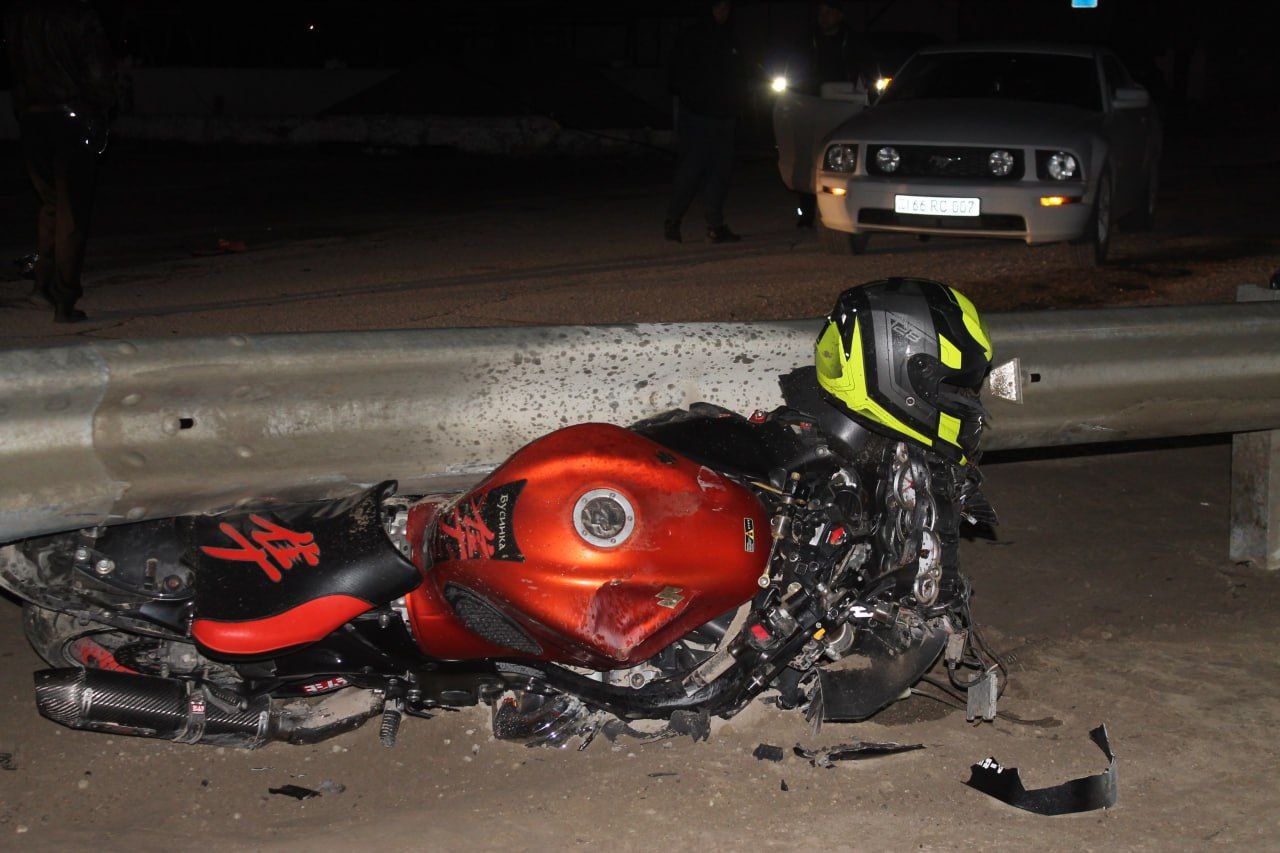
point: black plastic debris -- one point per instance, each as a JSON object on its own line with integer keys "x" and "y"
{"x": 857, "y": 751}
{"x": 296, "y": 791}
{"x": 768, "y": 752}
{"x": 1077, "y": 795}
{"x": 7, "y": 762}
{"x": 661, "y": 774}
{"x": 784, "y": 787}
{"x": 695, "y": 724}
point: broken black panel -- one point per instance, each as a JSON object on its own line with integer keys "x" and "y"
{"x": 1077, "y": 795}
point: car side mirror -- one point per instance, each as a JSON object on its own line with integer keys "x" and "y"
{"x": 844, "y": 91}
{"x": 1130, "y": 98}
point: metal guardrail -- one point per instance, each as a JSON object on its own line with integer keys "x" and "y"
{"x": 112, "y": 431}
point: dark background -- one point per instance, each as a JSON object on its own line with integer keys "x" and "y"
{"x": 602, "y": 63}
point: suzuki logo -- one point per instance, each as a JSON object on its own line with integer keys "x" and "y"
{"x": 670, "y": 597}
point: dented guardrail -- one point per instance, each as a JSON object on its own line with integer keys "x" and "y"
{"x": 110, "y": 431}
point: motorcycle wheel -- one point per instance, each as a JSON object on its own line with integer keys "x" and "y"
{"x": 64, "y": 640}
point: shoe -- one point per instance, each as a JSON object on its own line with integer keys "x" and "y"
{"x": 70, "y": 314}
{"x": 671, "y": 230}
{"x": 722, "y": 235}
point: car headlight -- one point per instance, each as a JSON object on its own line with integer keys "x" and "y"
{"x": 1000, "y": 163}
{"x": 779, "y": 83}
{"x": 840, "y": 158}
{"x": 888, "y": 159}
{"x": 1061, "y": 166}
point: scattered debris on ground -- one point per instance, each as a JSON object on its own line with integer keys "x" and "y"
{"x": 1077, "y": 795}
{"x": 296, "y": 791}
{"x": 768, "y": 752}
{"x": 856, "y": 751}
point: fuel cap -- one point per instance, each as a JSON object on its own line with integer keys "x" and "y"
{"x": 604, "y": 518}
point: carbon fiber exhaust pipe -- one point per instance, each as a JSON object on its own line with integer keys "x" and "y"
{"x": 147, "y": 706}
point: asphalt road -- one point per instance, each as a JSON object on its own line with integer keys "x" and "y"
{"x": 372, "y": 241}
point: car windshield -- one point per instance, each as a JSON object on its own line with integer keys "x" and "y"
{"x": 1043, "y": 78}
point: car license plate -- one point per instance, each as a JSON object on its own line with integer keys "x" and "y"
{"x": 936, "y": 205}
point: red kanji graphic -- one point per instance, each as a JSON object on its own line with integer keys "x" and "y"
{"x": 465, "y": 527}
{"x": 274, "y": 542}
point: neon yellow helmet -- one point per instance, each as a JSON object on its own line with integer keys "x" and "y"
{"x": 906, "y": 357}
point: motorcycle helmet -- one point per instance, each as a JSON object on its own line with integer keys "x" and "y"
{"x": 906, "y": 357}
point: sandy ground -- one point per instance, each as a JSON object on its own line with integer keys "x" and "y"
{"x": 1108, "y": 586}
{"x": 347, "y": 242}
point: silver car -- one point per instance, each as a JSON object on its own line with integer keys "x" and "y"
{"x": 1027, "y": 142}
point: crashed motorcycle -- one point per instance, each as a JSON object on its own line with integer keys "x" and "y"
{"x": 603, "y": 580}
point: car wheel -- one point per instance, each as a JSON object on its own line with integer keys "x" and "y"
{"x": 1090, "y": 248}
{"x": 844, "y": 243}
{"x": 1142, "y": 218}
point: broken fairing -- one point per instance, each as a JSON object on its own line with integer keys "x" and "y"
{"x": 1077, "y": 795}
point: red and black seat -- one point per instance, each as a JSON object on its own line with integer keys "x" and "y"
{"x": 274, "y": 580}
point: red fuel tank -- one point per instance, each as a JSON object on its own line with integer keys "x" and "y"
{"x": 593, "y": 546}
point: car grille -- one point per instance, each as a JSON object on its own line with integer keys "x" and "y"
{"x": 995, "y": 222}
{"x": 936, "y": 161}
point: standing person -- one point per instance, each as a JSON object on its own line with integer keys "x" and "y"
{"x": 64, "y": 95}
{"x": 837, "y": 55}
{"x": 706, "y": 77}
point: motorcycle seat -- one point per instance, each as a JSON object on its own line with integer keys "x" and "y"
{"x": 277, "y": 579}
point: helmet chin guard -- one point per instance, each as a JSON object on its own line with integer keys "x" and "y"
{"x": 906, "y": 357}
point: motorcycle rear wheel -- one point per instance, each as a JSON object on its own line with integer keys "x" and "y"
{"x": 59, "y": 638}
{"x": 63, "y": 639}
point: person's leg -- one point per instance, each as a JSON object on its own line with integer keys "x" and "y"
{"x": 719, "y": 167}
{"x": 38, "y": 151}
{"x": 692, "y": 147}
{"x": 77, "y": 174}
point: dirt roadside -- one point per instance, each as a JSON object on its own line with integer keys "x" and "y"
{"x": 1108, "y": 588}
{"x": 368, "y": 243}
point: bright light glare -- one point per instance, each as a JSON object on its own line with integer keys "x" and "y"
{"x": 1057, "y": 200}
{"x": 779, "y": 84}
{"x": 882, "y": 83}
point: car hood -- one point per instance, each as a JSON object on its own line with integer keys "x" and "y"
{"x": 969, "y": 122}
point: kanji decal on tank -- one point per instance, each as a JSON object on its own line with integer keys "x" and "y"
{"x": 271, "y": 542}
{"x": 481, "y": 527}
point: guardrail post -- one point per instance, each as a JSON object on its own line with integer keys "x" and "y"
{"x": 1255, "y": 498}
{"x": 1255, "y": 480}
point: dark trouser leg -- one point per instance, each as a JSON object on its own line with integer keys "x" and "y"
{"x": 39, "y": 151}
{"x": 719, "y": 142}
{"x": 64, "y": 172}
{"x": 692, "y": 148}
{"x": 77, "y": 181}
